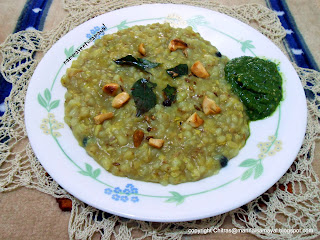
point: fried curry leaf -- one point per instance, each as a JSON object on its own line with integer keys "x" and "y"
{"x": 139, "y": 63}
{"x": 146, "y": 63}
{"x": 177, "y": 71}
{"x": 170, "y": 94}
{"x": 143, "y": 95}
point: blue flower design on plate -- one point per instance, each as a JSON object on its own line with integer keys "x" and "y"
{"x": 123, "y": 194}
{"x": 108, "y": 191}
{"x": 134, "y": 190}
{"x": 127, "y": 191}
{"x": 124, "y": 198}
{"x": 93, "y": 31}
{"x": 129, "y": 185}
{"x": 116, "y": 197}
{"x": 117, "y": 190}
{"x": 134, "y": 199}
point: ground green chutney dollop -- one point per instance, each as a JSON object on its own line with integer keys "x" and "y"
{"x": 257, "y": 82}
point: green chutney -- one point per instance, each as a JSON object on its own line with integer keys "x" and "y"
{"x": 258, "y": 84}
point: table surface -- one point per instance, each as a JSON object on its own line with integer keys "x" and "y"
{"x": 30, "y": 214}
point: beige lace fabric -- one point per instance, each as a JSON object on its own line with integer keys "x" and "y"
{"x": 293, "y": 203}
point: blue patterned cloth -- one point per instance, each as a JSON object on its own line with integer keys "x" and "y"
{"x": 34, "y": 15}
{"x": 294, "y": 42}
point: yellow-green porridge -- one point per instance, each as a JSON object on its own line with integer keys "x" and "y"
{"x": 152, "y": 103}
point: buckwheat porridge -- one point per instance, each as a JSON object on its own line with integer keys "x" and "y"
{"x": 151, "y": 103}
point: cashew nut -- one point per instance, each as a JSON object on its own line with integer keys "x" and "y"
{"x": 111, "y": 88}
{"x": 120, "y": 99}
{"x": 209, "y": 106}
{"x": 141, "y": 49}
{"x": 102, "y": 117}
{"x": 177, "y": 44}
{"x": 157, "y": 143}
{"x": 194, "y": 120}
{"x": 199, "y": 70}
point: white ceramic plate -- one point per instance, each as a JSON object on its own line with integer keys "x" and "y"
{"x": 268, "y": 153}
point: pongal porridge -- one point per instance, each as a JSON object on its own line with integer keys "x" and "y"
{"x": 151, "y": 103}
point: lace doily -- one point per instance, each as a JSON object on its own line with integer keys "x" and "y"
{"x": 292, "y": 203}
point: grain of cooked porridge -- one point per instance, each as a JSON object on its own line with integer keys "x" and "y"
{"x": 151, "y": 103}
